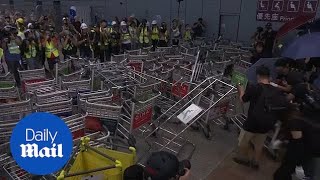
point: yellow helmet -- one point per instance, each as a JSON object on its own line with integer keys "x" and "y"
{"x": 20, "y": 20}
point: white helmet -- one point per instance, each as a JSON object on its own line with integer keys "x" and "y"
{"x": 113, "y": 23}
{"x": 154, "y": 22}
{"x": 123, "y": 23}
{"x": 29, "y": 25}
{"x": 83, "y": 26}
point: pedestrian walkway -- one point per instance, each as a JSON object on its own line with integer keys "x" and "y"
{"x": 228, "y": 170}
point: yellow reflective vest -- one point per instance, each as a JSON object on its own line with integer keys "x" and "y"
{"x": 50, "y": 49}
{"x": 32, "y": 52}
{"x": 144, "y": 36}
{"x": 1, "y": 53}
{"x": 155, "y": 33}
{"x": 14, "y": 48}
{"x": 187, "y": 36}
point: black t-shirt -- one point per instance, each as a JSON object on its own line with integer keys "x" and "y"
{"x": 252, "y": 95}
{"x": 310, "y": 134}
{"x": 294, "y": 77}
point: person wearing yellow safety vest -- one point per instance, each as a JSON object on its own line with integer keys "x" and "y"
{"x": 30, "y": 49}
{"x": 125, "y": 36}
{"x": 13, "y": 54}
{"x": 164, "y": 35}
{"x": 102, "y": 41}
{"x": 144, "y": 38}
{"x": 114, "y": 38}
{"x": 155, "y": 34}
{"x": 21, "y": 28}
{"x": 188, "y": 33}
{"x": 68, "y": 42}
{"x": 51, "y": 45}
{"x": 134, "y": 35}
{"x": 3, "y": 63}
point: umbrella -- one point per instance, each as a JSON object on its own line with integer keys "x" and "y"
{"x": 294, "y": 24}
{"x": 267, "y": 62}
{"x": 306, "y": 46}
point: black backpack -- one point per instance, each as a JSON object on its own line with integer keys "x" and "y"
{"x": 269, "y": 106}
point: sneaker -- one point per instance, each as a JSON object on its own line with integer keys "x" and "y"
{"x": 242, "y": 161}
{"x": 254, "y": 165}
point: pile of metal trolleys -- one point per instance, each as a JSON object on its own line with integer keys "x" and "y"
{"x": 139, "y": 97}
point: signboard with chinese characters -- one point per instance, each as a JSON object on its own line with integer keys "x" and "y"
{"x": 284, "y": 10}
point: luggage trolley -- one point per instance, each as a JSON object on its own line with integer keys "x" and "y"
{"x": 138, "y": 111}
{"x": 32, "y": 76}
{"x": 8, "y": 90}
{"x": 189, "y": 111}
{"x": 15, "y": 110}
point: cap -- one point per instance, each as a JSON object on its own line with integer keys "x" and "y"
{"x": 20, "y": 20}
{"x": 134, "y": 172}
{"x": 123, "y": 23}
{"x": 162, "y": 165}
{"x": 154, "y": 22}
{"x": 113, "y": 23}
{"x": 83, "y": 26}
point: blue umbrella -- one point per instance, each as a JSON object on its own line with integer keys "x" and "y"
{"x": 267, "y": 62}
{"x": 306, "y": 46}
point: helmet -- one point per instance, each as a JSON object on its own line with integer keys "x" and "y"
{"x": 114, "y": 23}
{"x": 123, "y": 23}
{"x": 20, "y": 20}
{"x": 154, "y": 22}
{"x": 30, "y": 25}
{"x": 83, "y": 26}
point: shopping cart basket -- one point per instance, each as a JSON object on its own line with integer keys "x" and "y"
{"x": 133, "y": 52}
{"x": 32, "y": 76}
{"x": 8, "y": 90}
{"x": 97, "y": 162}
{"x": 51, "y": 97}
{"x": 62, "y": 108}
{"x": 15, "y": 110}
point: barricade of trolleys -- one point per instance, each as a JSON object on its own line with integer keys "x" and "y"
{"x": 189, "y": 110}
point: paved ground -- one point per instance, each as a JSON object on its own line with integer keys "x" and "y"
{"x": 228, "y": 170}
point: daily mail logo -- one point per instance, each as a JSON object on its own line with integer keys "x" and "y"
{"x": 41, "y": 143}
{"x": 32, "y": 150}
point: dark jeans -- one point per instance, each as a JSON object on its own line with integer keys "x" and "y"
{"x": 14, "y": 66}
{"x": 162, "y": 43}
{"x": 154, "y": 44}
{"x": 115, "y": 49}
{"x": 104, "y": 54}
{"x": 295, "y": 156}
{"x": 126, "y": 47}
{"x": 51, "y": 63}
{"x": 85, "y": 52}
{"x": 175, "y": 42}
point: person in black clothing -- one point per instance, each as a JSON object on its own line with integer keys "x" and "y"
{"x": 258, "y": 53}
{"x": 303, "y": 129}
{"x": 260, "y": 118}
{"x": 288, "y": 79}
{"x": 84, "y": 42}
{"x": 269, "y": 37}
{"x": 198, "y": 28}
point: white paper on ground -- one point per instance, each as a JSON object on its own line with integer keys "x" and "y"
{"x": 188, "y": 114}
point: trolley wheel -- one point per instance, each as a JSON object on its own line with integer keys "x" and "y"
{"x": 207, "y": 132}
{"x": 132, "y": 141}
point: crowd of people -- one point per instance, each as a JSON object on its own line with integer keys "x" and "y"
{"x": 27, "y": 44}
{"x": 293, "y": 99}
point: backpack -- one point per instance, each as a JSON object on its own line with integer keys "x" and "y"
{"x": 268, "y": 108}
